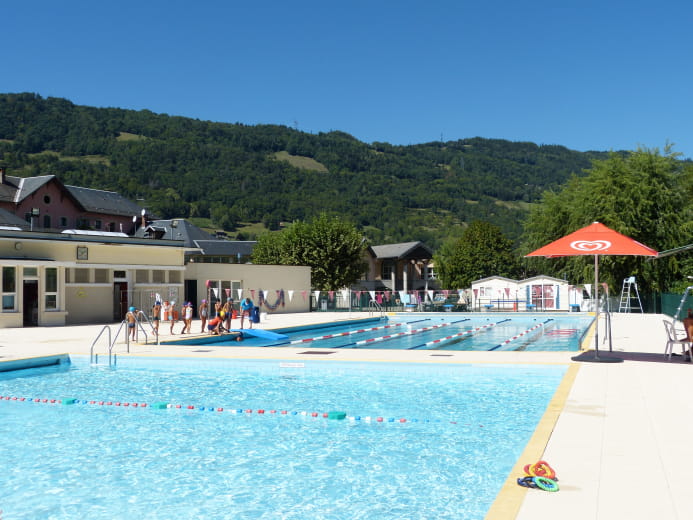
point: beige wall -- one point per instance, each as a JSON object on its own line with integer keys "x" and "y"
{"x": 270, "y": 278}
{"x": 90, "y": 300}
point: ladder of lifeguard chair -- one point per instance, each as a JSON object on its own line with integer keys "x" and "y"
{"x": 627, "y": 296}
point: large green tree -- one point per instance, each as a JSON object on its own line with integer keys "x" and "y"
{"x": 640, "y": 194}
{"x": 481, "y": 251}
{"x": 332, "y": 248}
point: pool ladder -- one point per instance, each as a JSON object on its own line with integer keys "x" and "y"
{"x": 140, "y": 317}
{"x": 375, "y": 307}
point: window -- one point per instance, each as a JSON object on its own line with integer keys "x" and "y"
{"x": 97, "y": 224}
{"x": 47, "y": 199}
{"x": 81, "y": 276}
{"x": 51, "y": 288}
{"x": 431, "y": 273}
{"x": 101, "y": 275}
{"x": 47, "y": 221}
{"x": 63, "y": 222}
{"x": 142, "y": 276}
{"x": 174, "y": 277}
{"x": 9, "y": 288}
{"x": 158, "y": 276}
{"x": 387, "y": 271}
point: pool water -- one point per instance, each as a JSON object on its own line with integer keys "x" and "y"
{"x": 450, "y": 331}
{"x": 418, "y": 441}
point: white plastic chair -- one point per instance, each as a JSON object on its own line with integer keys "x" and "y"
{"x": 673, "y": 340}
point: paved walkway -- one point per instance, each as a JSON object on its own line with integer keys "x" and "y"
{"x": 619, "y": 435}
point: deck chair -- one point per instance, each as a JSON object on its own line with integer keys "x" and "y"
{"x": 672, "y": 340}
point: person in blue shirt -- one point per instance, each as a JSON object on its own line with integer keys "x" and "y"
{"x": 246, "y": 309}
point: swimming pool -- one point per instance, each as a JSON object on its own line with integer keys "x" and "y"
{"x": 418, "y": 441}
{"x": 451, "y": 331}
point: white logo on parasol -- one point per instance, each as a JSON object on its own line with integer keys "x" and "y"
{"x": 590, "y": 245}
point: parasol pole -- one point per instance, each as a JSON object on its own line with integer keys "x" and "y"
{"x": 596, "y": 300}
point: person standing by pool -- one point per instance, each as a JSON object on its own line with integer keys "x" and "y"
{"x": 246, "y": 310}
{"x": 156, "y": 316}
{"x": 173, "y": 315}
{"x": 131, "y": 318}
{"x": 228, "y": 313}
{"x": 203, "y": 314}
{"x": 187, "y": 317}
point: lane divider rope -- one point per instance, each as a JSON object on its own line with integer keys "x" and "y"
{"x": 407, "y": 333}
{"x": 521, "y": 334}
{"x": 463, "y": 333}
{"x": 334, "y": 415}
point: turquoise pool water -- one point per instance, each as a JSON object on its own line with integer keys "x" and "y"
{"x": 449, "y": 331}
{"x": 449, "y": 436}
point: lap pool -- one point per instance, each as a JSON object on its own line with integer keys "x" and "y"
{"x": 192, "y": 438}
{"x": 450, "y": 331}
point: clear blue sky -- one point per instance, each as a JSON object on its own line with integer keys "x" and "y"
{"x": 589, "y": 75}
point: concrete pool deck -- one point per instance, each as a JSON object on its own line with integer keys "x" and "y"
{"x": 619, "y": 435}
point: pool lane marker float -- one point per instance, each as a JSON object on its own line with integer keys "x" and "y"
{"x": 463, "y": 333}
{"x": 520, "y": 334}
{"x": 349, "y": 333}
{"x": 408, "y": 332}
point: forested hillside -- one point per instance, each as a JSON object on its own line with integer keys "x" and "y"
{"x": 236, "y": 174}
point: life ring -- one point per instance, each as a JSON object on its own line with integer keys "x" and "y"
{"x": 546, "y": 484}
{"x": 540, "y": 469}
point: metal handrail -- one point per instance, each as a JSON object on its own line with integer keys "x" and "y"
{"x": 115, "y": 339}
{"x": 91, "y": 350}
{"x": 374, "y": 306}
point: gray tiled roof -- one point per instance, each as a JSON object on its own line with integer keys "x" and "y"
{"x": 176, "y": 229}
{"x": 29, "y": 185}
{"x": 402, "y": 250}
{"x": 194, "y": 237}
{"x": 11, "y": 220}
{"x": 101, "y": 201}
{"x": 225, "y": 247}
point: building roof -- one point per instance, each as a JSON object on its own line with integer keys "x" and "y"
{"x": 102, "y": 201}
{"x": 9, "y": 219}
{"x": 195, "y": 238}
{"x": 174, "y": 229}
{"x": 16, "y": 189}
{"x": 402, "y": 250}
{"x": 235, "y": 248}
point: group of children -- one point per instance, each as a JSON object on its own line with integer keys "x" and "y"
{"x": 220, "y": 321}
{"x": 223, "y": 314}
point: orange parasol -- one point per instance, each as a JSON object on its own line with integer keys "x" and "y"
{"x": 595, "y": 239}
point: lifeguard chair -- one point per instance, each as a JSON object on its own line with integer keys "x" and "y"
{"x": 630, "y": 297}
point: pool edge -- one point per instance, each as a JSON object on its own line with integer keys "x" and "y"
{"x": 33, "y": 362}
{"x": 507, "y": 504}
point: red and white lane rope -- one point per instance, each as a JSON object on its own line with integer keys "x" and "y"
{"x": 339, "y": 334}
{"x": 463, "y": 333}
{"x": 400, "y": 334}
{"x": 521, "y": 334}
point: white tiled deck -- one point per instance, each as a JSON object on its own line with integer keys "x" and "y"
{"x": 620, "y": 437}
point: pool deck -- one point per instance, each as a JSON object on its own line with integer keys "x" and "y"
{"x": 619, "y": 435}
